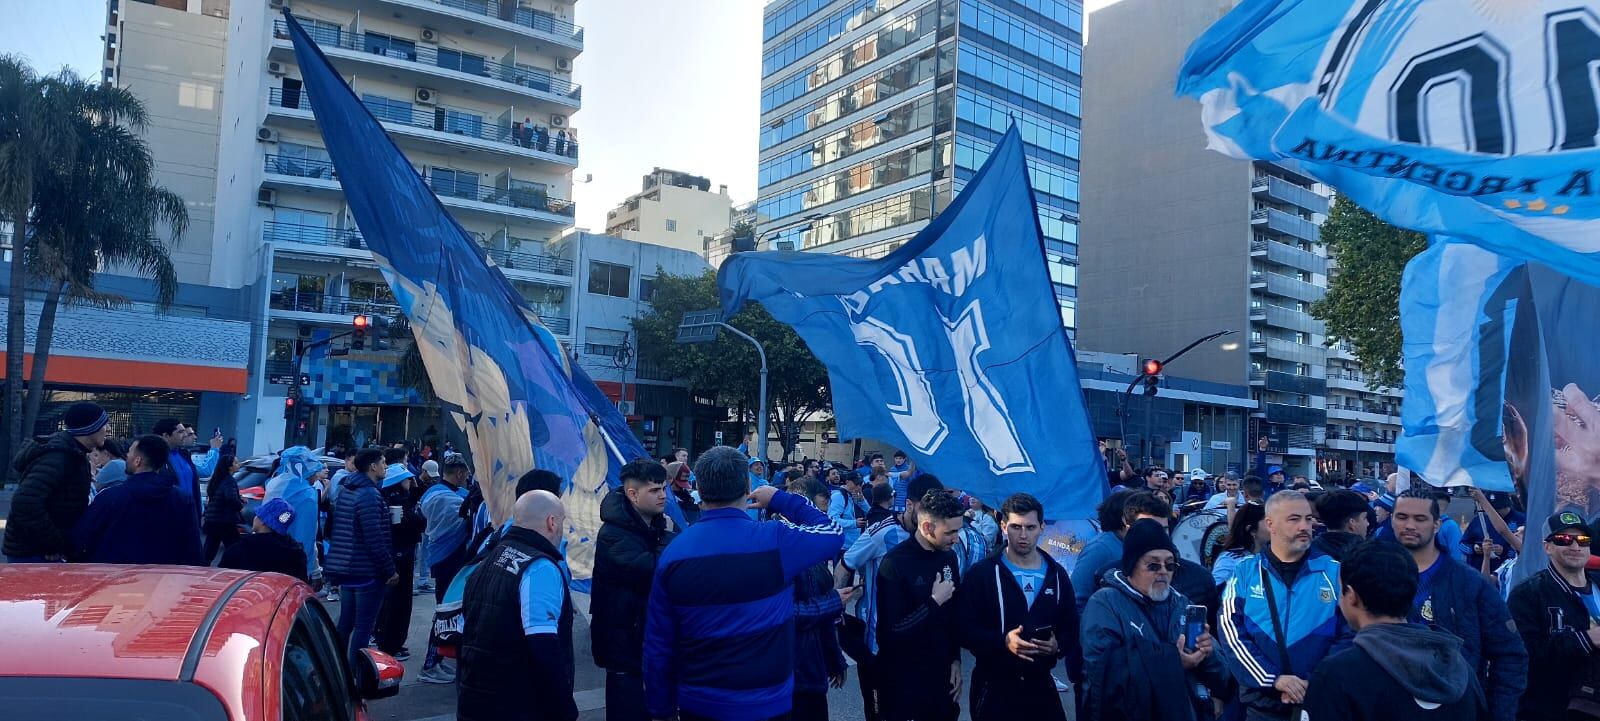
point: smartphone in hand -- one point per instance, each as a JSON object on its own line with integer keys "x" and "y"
{"x": 1194, "y": 624}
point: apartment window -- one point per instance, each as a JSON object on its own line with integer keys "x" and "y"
{"x": 459, "y": 122}
{"x": 464, "y": 62}
{"x": 390, "y": 47}
{"x": 604, "y": 341}
{"x": 322, "y": 31}
{"x": 608, "y": 279}
{"x": 457, "y": 183}
{"x": 647, "y": 289}
{"x": 388, "y": 109}
{"x": 672, "y": 225}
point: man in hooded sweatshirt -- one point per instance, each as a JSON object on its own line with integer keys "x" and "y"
{"x": 143, "y": 519}
{"x": 1395, "y": 670}
{"x": 758, "y": 478}
{"x": 297, "y": 467}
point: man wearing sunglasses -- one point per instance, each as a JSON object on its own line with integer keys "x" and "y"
{"x": 1453, "y": 597}
{"x": 1558, "y": 614}
{"x": 1138, "y": 663}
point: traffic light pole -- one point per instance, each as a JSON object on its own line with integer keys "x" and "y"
{"x": 299, "y": 362}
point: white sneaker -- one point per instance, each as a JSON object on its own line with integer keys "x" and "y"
{"x": 1061, "y": 686}
{"x": 331, "y": 594}
{"x": 442, "y": 673}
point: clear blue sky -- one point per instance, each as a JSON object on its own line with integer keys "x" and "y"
{"x": 670, "y": 83}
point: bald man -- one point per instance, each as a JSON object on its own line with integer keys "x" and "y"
{"x": 516, "y": 654}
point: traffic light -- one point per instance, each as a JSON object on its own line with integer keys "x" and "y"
{"x": 1152, "y": 376}
{"x": 358, "y": 331}
{"x": 288, "y": 407}
{"x": 379, "y": 325}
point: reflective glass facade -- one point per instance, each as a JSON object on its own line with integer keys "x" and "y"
{"x": 858, "y": 149}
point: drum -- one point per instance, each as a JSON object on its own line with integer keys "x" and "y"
{"x": 1199, "y": 536}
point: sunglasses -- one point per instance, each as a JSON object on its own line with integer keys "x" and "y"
{"x": 1567, "y": 539}
{"x": 1169, "y": 567}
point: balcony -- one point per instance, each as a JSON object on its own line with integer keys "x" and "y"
{"x": 528, "y": 203}
{"x": 1284, "y": 254}
{"x": 559, "y": 325}
{"x": 532, "y": 262}
{"x": 1294, "y": 415}
{"x": 1294, "y": 383}
{"x": 1283, "y": 191}
{"x": 313, "y": 303}
{"x": 1277, "y": 222}
{"x": 1370, "y": 413}
{"x": 277, "y": 232}
{"x": 541, "y": 24}
{"x": 427, "y": 61}
{"x": 1352, "y": 382}
{"x": 1283, "y": 285}
{"x": 455, "y": 127}
{"x": 1288, "y": 350}
{"x": 1291, "y": 319}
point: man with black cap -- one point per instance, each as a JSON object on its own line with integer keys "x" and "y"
{"x": 54, "y": 492}
{"x": 1557, "y": 612}
{"x": 1137, "y": 658}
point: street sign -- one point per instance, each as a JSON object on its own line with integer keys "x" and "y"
{"x": 1222, "y": 445}
{"x": 284, "y": 379}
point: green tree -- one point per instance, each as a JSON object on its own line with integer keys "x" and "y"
{"x": 727, "y": 370}
{"x": 1362, "y": 305}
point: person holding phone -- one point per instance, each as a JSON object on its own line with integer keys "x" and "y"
{"x": 1140, "y": 661}
{"x": 1017, "y": 615}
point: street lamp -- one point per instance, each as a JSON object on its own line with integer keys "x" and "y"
{"x": 1149, "y": 374}
{"x": 701, "y": 327}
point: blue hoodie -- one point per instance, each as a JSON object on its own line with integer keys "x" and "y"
{"x": 756, "y": 482}
{"x": 293, "y": 484}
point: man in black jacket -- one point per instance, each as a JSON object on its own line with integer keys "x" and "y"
{"x": 1556, "y": 611}
{"x": 1348, "y": 518}
{"x": 54, "y": 492}
{"x": 394, "y": 622}
{"x": 516, "y": 653}
{"x": 633, "y": 532}
{"x": 916, "y": 622}
{"x": 1017, "y": 614}
{"x": 269, "y": 547}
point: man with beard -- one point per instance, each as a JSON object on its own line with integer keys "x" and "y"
{"x": 917, "y": 637}
{"x": 1558, "y": 614}
{"x": 1270, "y": 650}
{"x": 1454, "y": 598}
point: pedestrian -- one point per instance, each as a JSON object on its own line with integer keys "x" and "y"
{"x": 1017, "y": 614}
{"x": 1394, "y": 670}
{"x": 847, "y": 507}
{"x": 887, "y": 531}
{"x": 757, "y": 474}
{"x": 406, "y": 526}
{"x": 143, "y": 519}
{"x": 1280, "y": 613}
{"x": 900, "y": 475}
{"x": 1094, "y": 570}
{"x": 818, "y": 661}
{"x": 427, "y": 478}
{"x": 180, "y": 467}
{"x": 297, "y": 469}
{"x": 541, "y": 135}
{"x": 360, "y": 552}
{"x": 561, "y": 142}
{"x": 224, "y": 508}
{"x": 54, "y": 491}
{"x": 1347, "y": 518}
{"x": 1102, "y": 551}
{"x": 445, "y": 549}
{"x": 917, "y": 632}
{"x": 1198, "y": 489}
{"x": 633, "y": 534}
{"x": 729, "y": 574}
{"x": 268, "y": 547}
{"x": 1138, "y": 660}
{"x": 1247, "y": 535}
{"x": 516, "y": 653}
{"x": 1557, "y": 612}
{"x": 1455, "y": 598}
{"x": 1493, "y": 532}
{"x": 881, "y": 496}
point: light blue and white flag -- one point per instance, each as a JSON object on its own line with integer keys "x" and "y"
{"x": 1476, "y": 119}
{"x": 502, "y": 375}
{"x": 950, "y": 348}
{"x": 1458, "y": 306}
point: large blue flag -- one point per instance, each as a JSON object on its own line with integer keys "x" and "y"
{"x": 503, "y": 376}
{"x": 951, "y": 347}
{"x": 1466, "y": 118}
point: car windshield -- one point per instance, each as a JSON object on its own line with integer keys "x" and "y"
{"x": 26, "y": 699}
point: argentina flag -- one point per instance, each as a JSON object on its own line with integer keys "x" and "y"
{"x": 950, "y": 348}
{"x": 1476, "y": 119}
{"x": 501, "y": 374}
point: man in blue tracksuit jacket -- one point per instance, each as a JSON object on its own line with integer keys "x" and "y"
{"x": 1304, "y": 590}
{"x": 719, "y": 630}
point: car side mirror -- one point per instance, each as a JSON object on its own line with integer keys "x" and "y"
{"x": 378, "y": 675}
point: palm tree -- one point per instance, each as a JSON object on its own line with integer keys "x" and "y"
{"x": 98, "y": 211}
{"x": 33, "y": 134}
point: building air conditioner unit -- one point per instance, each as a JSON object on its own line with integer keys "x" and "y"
{"x": 425, "y": 96}
{"x": 276, "y": 68}
{"x": 277, "y": 4}
{"x": 266, "y": 135}
{"x": 267, "y": 197}
{"x": 431, "y": 36}
{"x": 564, "y": 65}
{"x": 625, "y": 407}
{"x": 558, "y": 121}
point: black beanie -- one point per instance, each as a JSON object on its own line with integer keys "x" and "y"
{"x": 1143, "y": 537}
{"x": 84, "y": 419}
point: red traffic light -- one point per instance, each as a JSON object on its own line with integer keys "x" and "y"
{"x": 361, "y": 322}
{"x": 288, "y": 403}
{"x": 1152, "y": 367}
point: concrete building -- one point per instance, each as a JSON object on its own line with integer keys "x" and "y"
{"x": 858, "y": 150}
{"x": 616, "y": 282}
{"x": 674, "y": 209}
{"x": 1180, "y": 242}
{"x": 740, "y": 235}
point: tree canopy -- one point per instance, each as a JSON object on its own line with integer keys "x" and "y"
{"x": 1362, "y": 305}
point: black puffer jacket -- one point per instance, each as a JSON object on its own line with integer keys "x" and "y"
{"x": 223, "y": 504}
{"x": 624, "y": 565}
{"x": 53, "y": 495}
{"x": 358, "y": 534}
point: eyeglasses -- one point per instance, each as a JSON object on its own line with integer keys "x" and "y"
{"x": 1567, "y": 539}
{"x": 1154, "y": 567}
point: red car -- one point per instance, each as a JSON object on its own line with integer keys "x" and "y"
{"x": 87, "y": 642}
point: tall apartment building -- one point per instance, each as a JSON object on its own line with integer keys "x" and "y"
{"x": 875, "y": 112}
{"x": 674, "y": 209}
{"x": 1180, "y": 241}
{"x": 479, "y": 96}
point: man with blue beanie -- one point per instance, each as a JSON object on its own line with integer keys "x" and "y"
{"x": 269, "y": 548}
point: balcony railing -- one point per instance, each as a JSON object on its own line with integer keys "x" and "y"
{"x": 276, "y": 231}
{"x": 509, "y": 12}
{"x": 1294, "y": 288}
{"x": 316, "y": 168}
{"x": 430, "y": 57}
{"x": 1288, "y": 192}
{"x": 445, "y": 119}
{"x": 1278, "y": 221}
{"x": 536, "y": 262}
{"x": 525, "y": 198}
{"x": 312, "y": 302}
{"x": 556, "y": 324}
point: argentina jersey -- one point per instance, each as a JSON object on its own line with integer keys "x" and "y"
{"x": 863, "y": 557}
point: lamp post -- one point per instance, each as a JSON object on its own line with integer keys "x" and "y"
{"x": 1149, "y": 371}
{"x": 701, "y": 327}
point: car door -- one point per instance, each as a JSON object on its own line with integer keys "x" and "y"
{"x": 316, "y": 683}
